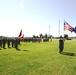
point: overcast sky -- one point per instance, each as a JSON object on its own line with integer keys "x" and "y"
{"x": 35, "y": 16}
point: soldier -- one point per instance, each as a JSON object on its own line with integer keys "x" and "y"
{"x": 8, "y": 42}
{"x": 4, "y": 42}
{"x": 18, "y": 39}
{"x": 61, "y": 44}
{"x": 13, "y": 42}
{"x": 16, "y": 44}
{"x": 0, "y": 43}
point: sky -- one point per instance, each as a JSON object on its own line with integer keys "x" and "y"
{"x": 36, "y": 17}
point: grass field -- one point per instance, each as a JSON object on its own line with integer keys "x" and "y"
{"x": 39, "y": 59}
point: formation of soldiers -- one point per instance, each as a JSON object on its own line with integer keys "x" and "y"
{"x": 10, "y": 42}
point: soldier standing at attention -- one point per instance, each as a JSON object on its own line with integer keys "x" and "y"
{"x": 0, "y": 43}
{"x": 61, "y": 44}
{"x": 12, "y": 42}
{"x": 4, "y": 42}
{"x": 8, "y": 42}
{"x": 16, "y": 43}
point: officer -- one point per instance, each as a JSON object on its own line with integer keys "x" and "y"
{"x": 61, "y": 44}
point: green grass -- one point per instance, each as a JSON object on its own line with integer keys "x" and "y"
{"x": 39, "y": 59}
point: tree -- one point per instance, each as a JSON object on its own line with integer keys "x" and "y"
{"x": 45, "y": 36}
{"x": 33, "y": 36}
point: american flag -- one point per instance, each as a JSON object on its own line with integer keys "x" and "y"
{"x": 68, "y": 27}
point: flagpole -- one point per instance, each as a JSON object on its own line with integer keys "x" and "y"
{"x": 59, "y": 28}
{"x": 63, "y": 27}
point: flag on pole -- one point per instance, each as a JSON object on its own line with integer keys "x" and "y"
{"x": 22, "y": 38}
{"x": 68, "y": 27}
{"x": 20, "y": 34}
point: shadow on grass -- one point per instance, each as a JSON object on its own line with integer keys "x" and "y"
{"x": 4, "y": 48}
{"x": 9, "y": 47}
{"x": 69, "y": 54}
{"x": 26, "y": 50}
{"x": 20, "y": 44}
{"x": 18, "y": 49}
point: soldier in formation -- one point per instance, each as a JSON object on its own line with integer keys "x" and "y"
{"x": 11, "y": 42}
